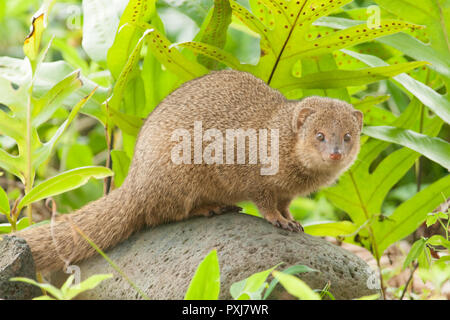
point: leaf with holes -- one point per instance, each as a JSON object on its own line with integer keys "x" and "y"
{"x": 128, "y": 33}
{"x": 172, "y": 59}
{"x": 214, "y": 53}
{"x": 214, "y": 30}
{"x": 348, "y": 78}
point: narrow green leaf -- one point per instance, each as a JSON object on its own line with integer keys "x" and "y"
{"x": 213, "y": 52}
{"x": 439, "y": 104}
{"x": 11, "y": 164}
{"x": 129, "y": 71}
{"x": 414, "y": 252}
{"x": 90, "y": 283}
{"x": 205, "y": 285}
{"x": 23, "y": 223}
{"x": 435, "y": 149}
{"x": 348, "y": 37}
{"x": 252, "y": 287}
{"x": 128, "y": 123}
{"x": 63, "y": 182}
{"x": 293, "y": 270}
{"x": 296, "y": 286}
{"x": 47, "y": 287}
{"x": 128, "y": 33}
{"x": 120, "y": 166}
{"x": 4, "y": 202}
{"x": 171, "y": 58}
{"x": 214, "y": 30}
{"x": 43, "y": 152}
{"x": 46, "y": 106}
{"x": 336, "y": 229}
{"x": 410, "y": 214}
{"x": 438, "y": 240}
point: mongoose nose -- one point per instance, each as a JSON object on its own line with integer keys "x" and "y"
{"x": 336, "y": 156}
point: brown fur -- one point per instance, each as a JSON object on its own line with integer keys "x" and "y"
{"x": 158, "y": 191}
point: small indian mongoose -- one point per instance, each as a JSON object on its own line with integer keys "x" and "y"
{"x": 308, "y": 143}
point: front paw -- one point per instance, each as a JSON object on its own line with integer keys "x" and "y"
{"x": 281, "y": 222}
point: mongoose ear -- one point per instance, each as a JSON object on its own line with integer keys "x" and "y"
{"x": 359, "y": 116}
{"x": 300, "y": 117}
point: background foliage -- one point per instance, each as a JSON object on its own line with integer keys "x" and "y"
{"x": 74, "y": 94}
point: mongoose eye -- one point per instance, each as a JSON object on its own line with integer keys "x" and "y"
{"x": 320, "y": 136}
{"x": 347, "y": 137}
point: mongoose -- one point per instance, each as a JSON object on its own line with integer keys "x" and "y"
{"x": 314, "y": 139}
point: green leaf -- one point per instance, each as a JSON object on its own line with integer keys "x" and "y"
{"x": 214, "y": 53}
{"x": 419, "y": 51}
{"x": 252, "y": 287}
{"x": 432, "y": 13}
{"x": 4, "y": 203}
{"x": 349, "y": 37}
{"x": 166, "y": 53}
{"x": 63, "y": 182}
{"x": 120, "y": 166}
{"x": 205, "y": 285}
{"x": 43, "y": 152}
{"x": 435, "y": 149}
{"x": 347, "y": 78}
{"x": 47, "y": 287}
{"x": 46, "y": 106}
{"x": 291, "y": 270}
{"x": 128, "y": 33}
{"x": 128, "y": 123}
{"x": 374, "y": 115}
{"x": 296, "y": 286}
{"x": 339, "y": 229}
{"x": 71, "y": 291}
{"x": 410, "y": 214}
{"x": 438, "y": 240}
{"x": 431, "y": 219}
{"x": 5, "y": 228}
{"x": 33, "y": 40}
{"x": 214, "y": 30}
{"x": 129, "y": 71}
{"x": 23, "y": 223}
{"x": 437, "y": 103}
{"x": 416, "y": 249}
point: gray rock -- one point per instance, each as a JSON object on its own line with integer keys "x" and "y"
{"x": 16, "y": 261}
{"x": 161, "y": 261}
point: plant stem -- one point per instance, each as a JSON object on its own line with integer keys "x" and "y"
{"x": 29, "y": 175}
{"x": 109, "y": 142}
{"x": 111, "y": 263}
{"x": 409, "y": 280}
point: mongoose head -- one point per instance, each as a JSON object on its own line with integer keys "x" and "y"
{"x": 328, "y": 132}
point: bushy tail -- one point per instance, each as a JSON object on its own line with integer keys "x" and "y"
{"x": 106, "y": 221}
